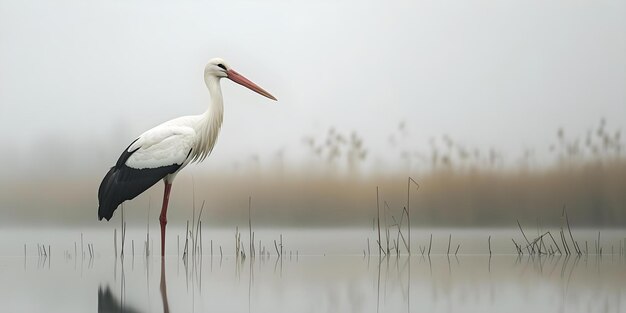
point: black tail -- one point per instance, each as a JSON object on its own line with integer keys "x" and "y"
{"x": 123, "y": 183}
{"x": 107, "y": 198}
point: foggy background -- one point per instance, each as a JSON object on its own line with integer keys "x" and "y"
{"x": 500, "y": 110}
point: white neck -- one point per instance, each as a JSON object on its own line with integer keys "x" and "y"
{"x": 211, "y": 121}
{"x": 215, "y": 90}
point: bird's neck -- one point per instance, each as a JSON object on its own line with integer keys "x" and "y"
{"x": 216, "y": 106}
{"x": 211, "y": 121}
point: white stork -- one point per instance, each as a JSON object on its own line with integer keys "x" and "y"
{"x": 161, "y": 152}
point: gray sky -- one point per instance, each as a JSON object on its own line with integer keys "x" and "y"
{"x": 90, "y": 75}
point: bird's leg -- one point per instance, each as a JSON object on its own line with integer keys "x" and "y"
{"x": 163, "y": 217}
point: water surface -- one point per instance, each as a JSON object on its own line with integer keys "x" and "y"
{"x": 320, "y": 271}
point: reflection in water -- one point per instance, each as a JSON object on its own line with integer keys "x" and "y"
{"x": 107, "y": 303}
{"x": 316, "y": 283}
{"x": 439, "y": 283}
{"x": 166, "y": 306}
{"x": 548, "y": 283}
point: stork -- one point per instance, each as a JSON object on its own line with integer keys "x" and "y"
{"x": 161, "y": 152}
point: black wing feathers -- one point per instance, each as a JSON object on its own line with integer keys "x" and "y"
{"x": 123, "y": 183}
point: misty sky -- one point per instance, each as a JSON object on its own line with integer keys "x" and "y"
{"x": 88, "y": 76}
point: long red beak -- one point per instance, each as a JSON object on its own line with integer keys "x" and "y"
{"x": 241, "y": 80}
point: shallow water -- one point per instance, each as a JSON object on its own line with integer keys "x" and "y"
{"x": 320, "y": 271}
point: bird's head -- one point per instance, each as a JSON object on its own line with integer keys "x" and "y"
{"x": 218, "y": 68}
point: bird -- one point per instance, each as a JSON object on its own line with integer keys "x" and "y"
{"x": 161, "y": 152}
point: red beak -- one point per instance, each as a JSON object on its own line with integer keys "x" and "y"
{"x": 241, "y": 80}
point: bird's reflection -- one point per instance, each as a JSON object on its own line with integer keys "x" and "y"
{"x": 108, "y": 303}
{"x": 163, "y": 287}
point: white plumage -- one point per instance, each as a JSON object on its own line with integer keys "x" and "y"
{"x": 161, "y": 152}
{"x": 162, "y": 146}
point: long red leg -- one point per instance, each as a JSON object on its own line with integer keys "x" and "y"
{"x": 163, "y": 217}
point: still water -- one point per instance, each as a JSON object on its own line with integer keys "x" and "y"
{"x": 320, "y": 271}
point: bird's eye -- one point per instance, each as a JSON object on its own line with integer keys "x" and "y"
{"x": 222, "y": 66}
